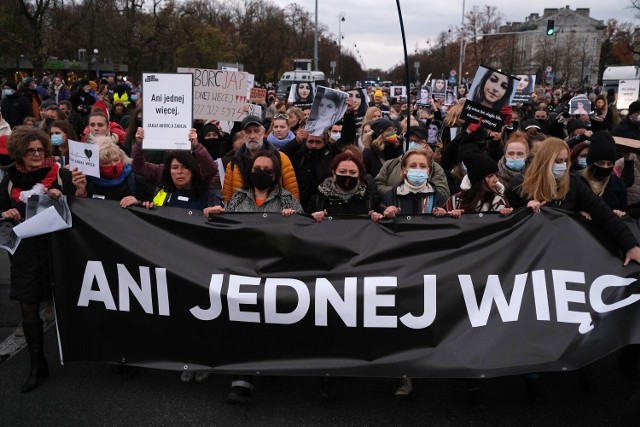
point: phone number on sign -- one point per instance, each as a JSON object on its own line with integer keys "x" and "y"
{"x": 216, "y": 111}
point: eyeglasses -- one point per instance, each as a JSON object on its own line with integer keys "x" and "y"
{"x": 32, "y": 151}
{"x": 281, "y": 116}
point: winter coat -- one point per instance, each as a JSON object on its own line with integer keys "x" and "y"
{"x": 579, "y": 198}
{"x": 414, "y": 203}
{"x": 360, "y": 202}
{"x": 237, "y": 169}
{"x": 277, "y": 200}
{"x": 15, "y": 108}
{"x": 391, "y": 174}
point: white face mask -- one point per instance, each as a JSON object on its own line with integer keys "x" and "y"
{"x": 559, "y": 169}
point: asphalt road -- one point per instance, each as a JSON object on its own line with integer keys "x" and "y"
{"x": 95, "y": 394}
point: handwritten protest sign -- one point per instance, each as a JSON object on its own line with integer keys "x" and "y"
{"x": 218, "y": 95}
{"x": 85, "y": 157}
{"x": 258, "y": 95}
{"x": 167, "y": 110}
{"x": 627, "y": 93}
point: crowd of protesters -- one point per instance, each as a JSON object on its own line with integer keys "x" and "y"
{"x": 380, "y": 160}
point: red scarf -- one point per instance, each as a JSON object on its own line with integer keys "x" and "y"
{"x": 49, "y": 179}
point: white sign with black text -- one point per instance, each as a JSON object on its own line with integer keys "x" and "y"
{"x": 167, "y": 110}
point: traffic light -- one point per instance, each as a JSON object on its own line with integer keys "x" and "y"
{"x": 551, "y": 27}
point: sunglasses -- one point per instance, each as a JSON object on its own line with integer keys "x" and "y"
{"x": 281, "y": 116}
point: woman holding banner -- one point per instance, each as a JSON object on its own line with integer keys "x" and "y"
{"x": 35, "y": 171}
{"x": 116, "y": 180}
{"x": 548, "y": 181}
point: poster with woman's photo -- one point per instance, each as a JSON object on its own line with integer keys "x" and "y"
{"x": 424, "y": 96}
{"x": 360, "y": 100}
{"x": 329, "y": 105}
{"x": 438, "y": 88}
{"x": 301, "y": 94}
{"x": 450, "y": 98}
{"x": 579, "y": 105}
{"x": 398, "y": 92}
{"x": 490, "y": 92}
{"x": 524, "y": 90}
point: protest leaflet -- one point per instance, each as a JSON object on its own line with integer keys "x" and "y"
{"x": 85, "y": 157}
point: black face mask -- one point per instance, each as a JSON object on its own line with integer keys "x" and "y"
{"x": 599, "y": 172}
{"x": 347, "y": 183}
{"x": 48, "y": 121}
{"x": 543, "y": 123}
{"x": 261, "y": 180}
{"x": 316, "y": 153}
{"x": 212, "y": 145}
{"x": 515, "y": 124}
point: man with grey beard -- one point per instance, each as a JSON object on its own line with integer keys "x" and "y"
{"x": 238, "y": 168}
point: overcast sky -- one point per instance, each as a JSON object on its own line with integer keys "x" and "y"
{"x": 374, "y": 26}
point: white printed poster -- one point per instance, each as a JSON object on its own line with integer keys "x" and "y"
{"x": 627, "y": 93}
{"x": 85, "y": 157}
{"x": 219, "y": 95}
{"x": 167, "y": 110}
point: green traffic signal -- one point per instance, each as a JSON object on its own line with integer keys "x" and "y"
{"x": 551, "y": 24}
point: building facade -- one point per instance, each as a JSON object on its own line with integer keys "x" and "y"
{"x": 570, "y": 56}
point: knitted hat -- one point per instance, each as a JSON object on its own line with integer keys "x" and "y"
{"x": 634, "y": 107}
{"x": 93, "y": 84}
{"x": 377, "y": 93}
{"x": 531, "y": 123}
{"x": 576, "y": 124}
{"x": 47, "y": 103}
{"x": 380, "y": 126}
{"x": 479, "y": 166}
{"x": 603, "y": 147}
{"x": 28, "y": 81}
{"x": 464, "y": 148}
{"x": 10, "y": 84}
{"x": 417, "y": 131}
{"x": 209, "y": 127}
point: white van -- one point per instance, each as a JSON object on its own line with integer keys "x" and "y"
{"x": 301, "y": 73}
{"x": 613, "y": 74}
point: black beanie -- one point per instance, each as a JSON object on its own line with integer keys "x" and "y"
{"x": 208, "y": 128}
{"x": 380, "y": 126}
{"x": 479, "y": 166}
{"x": 634, "y": 107}
{"x": 603, "y": 147}
{"x": 467, "y": 147}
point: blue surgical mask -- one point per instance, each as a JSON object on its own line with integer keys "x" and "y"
{"x": 8, "y": 92}
{"x": 559, "y": 169}
{"x": 414, "y": 145}
{"x": 417, "y": 176}
{"x": 56, "y": 139}
{"x": 134, "y": 97}
{"x": 582, "y": 162}
{"x": 335, "y": 136}
{"x": 515, "y": 164}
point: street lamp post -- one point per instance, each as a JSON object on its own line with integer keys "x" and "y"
{"x": 340, "y": 21}
{"x": 94, "y": 59}
{"x": 461, "y": 43}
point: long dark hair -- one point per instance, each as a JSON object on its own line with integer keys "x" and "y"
{"x": 478, "y": 94}
{"x": 189, "y": 161}
{"x": 477, "y": 193}
{"x": 277, "y": 169}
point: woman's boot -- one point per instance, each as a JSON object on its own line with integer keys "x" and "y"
{"x": 34, "y": 335}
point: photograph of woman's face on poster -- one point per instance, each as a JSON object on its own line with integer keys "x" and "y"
{"x": 439, "y": 87}
{"x": 328, "y": 107}
{"x": 304, "y": 93}
{"x": 492, "y": 88}
{"x": 425, "y": 95}
{"x": 526, "y": 84}
{"x": 579, "y": 105}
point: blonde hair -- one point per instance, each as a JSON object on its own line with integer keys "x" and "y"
{"x": 539, "y": 183}
{"x": 110, "y": 152}
{"x": 453, "y": 114}
{"x": 413, "y": 122}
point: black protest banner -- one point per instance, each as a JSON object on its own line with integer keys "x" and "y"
{"x": 418, "y": 296}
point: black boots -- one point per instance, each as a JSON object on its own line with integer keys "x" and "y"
{"x": 33, "y": 333}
